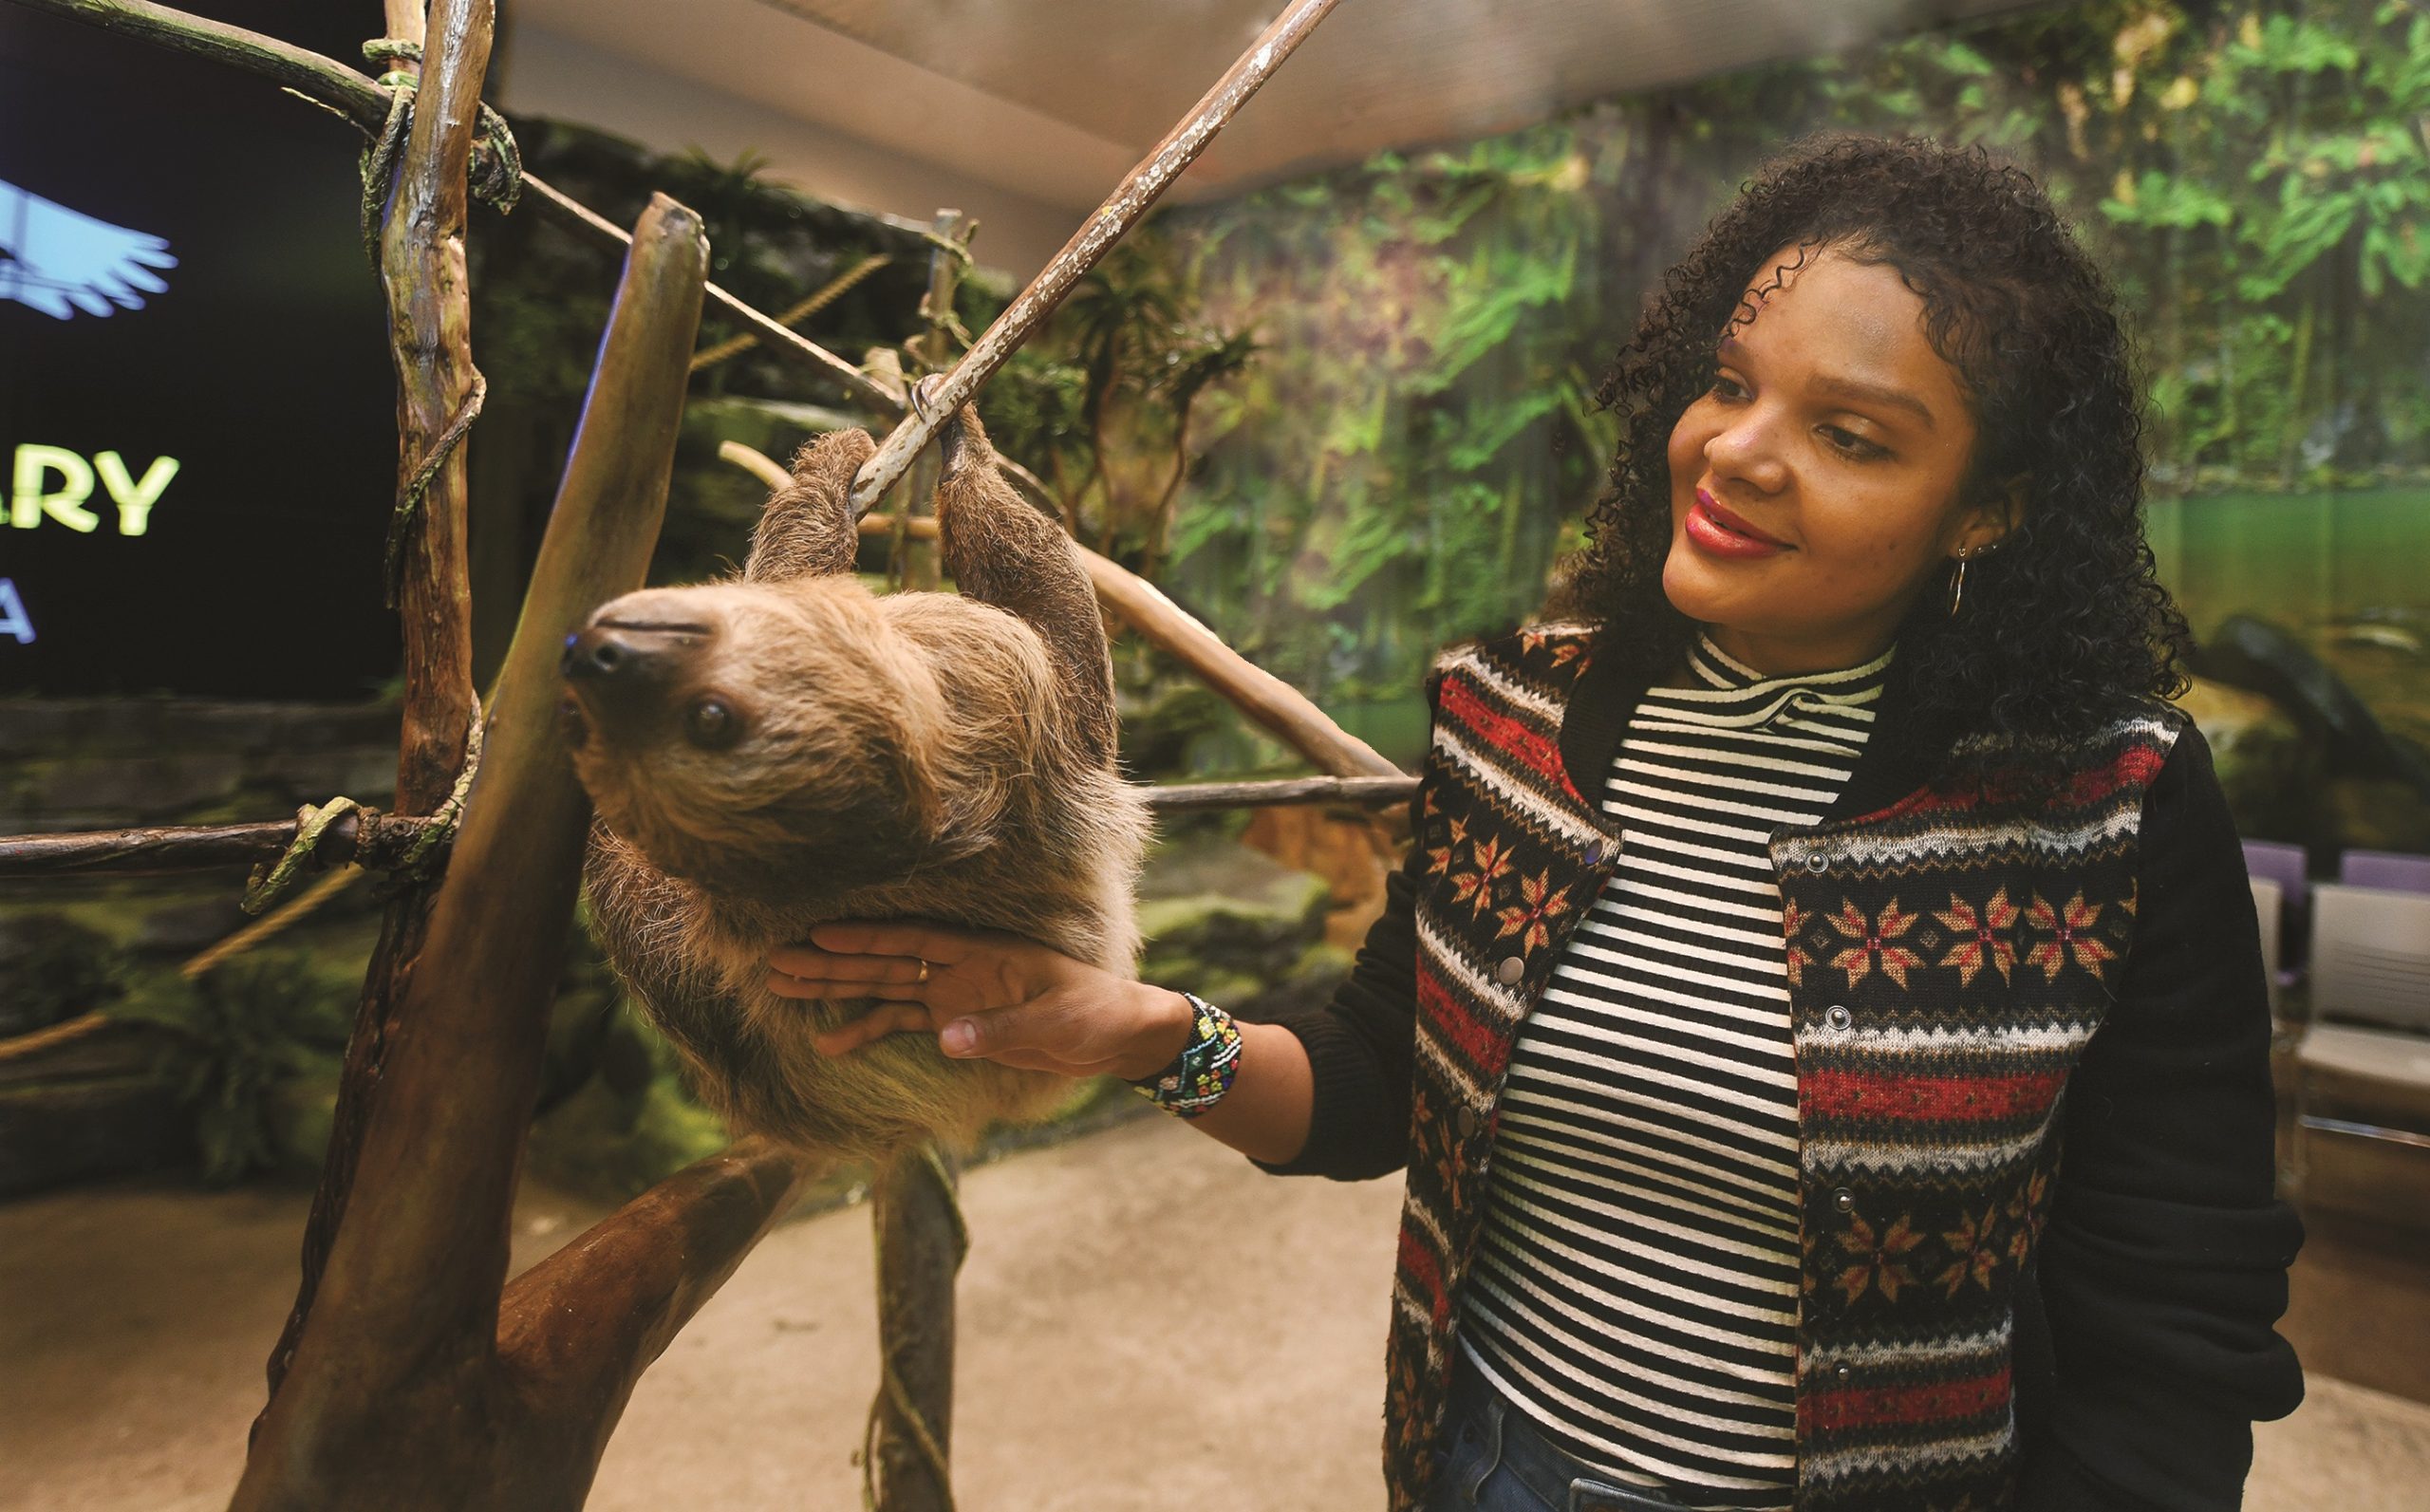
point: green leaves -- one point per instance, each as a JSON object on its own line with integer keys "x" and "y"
{"x": 1418, "y": 437}
{"x": 2285, "y": 44}
{"x": 2160, "y": 199}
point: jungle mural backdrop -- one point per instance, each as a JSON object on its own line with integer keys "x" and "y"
{"x": 1349, "y": 418}
{"x": 1412, "y": 440}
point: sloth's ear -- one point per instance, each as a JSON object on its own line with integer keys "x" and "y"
{"x": 806, "y": 529}
{"x": 1001, "y": 550}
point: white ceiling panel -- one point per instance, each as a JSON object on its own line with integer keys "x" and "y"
{"x": 1054, "y": 99}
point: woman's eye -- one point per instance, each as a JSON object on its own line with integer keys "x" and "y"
{"x": 1850, "y": 442}
{"x": 1724, "y": 387}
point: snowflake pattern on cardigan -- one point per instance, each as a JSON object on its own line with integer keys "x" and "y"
{"x": 1949, "y": 954}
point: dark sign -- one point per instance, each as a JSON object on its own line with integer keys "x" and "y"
{"x": 198, "y": 441}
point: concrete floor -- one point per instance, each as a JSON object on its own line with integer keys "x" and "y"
{"x": 1146, "y": 1322}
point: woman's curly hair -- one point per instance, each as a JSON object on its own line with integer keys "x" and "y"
{"x": 2066, "y": 624}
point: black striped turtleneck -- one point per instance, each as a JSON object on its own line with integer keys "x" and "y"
{"x": 1636, "y": 1292}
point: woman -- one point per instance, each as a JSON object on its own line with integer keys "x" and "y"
{"x": 1821, "y": 1014}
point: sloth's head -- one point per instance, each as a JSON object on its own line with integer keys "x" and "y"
{"x": 763, "y": 741}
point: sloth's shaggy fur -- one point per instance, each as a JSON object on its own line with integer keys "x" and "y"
{"x": 941, "y": 757}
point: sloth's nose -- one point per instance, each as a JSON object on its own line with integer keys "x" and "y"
{"x": 622, "y": 663}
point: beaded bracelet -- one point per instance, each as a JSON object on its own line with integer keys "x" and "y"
{"x": 1203, "y": 1072}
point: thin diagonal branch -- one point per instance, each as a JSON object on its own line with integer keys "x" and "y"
{"x": 1122, "y": 210}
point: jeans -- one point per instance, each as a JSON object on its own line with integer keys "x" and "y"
{"x": 1491, "y": 1459}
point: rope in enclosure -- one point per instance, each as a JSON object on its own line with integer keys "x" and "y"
{"x": 496, "y": 176}
{"x": 440, "y": 830}
{"x": 272, "y": 878}
{"x": 834, "y": 289}
{"x": 401, "y": 522}
{"x": 291, "y": 912}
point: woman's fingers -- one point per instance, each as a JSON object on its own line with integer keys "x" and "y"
{"x": 878, "y": 1023}
{"x": 916, "y": 941}
{"x": 805, "y": 963}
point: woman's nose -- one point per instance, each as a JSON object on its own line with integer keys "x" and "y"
{"x": 1748, "y": 449}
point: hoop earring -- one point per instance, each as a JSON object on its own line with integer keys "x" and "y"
{"x": 1958, "y": 585}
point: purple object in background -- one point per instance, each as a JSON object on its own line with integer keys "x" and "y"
{"x": 2389, "y": 869}
{"x": 2276, "y": 861}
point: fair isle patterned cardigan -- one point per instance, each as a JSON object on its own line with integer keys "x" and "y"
{"x": 1979, "y": 991}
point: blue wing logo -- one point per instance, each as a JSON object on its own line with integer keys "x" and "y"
{"x": 61, "y": 261}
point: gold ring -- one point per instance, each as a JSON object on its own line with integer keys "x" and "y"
{"x": 923, "y": 973}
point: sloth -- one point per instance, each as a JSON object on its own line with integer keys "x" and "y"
{"x": 781, "y": 749}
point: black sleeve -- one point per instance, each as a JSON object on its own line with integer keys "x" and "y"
{"x": 2164, "y": 1265}
{"x": 1361, "y": 1042}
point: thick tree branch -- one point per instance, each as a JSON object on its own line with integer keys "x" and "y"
{"x": 580, "y": 1327}
{"x": 429, "y": 298}
{"x": 399, "y": 1351}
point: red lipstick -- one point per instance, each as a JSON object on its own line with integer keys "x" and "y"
{"x": 1718, "y": 532}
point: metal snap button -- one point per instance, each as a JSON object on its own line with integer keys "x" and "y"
{"x": 1466, "y": 1119}
{"x": 1510, "y": 970}
{"x": 1817, "y": 863}
{"x": 1595, "y": 854}
{"x": 1838, "y": 1017}
{"x": 1841, "y": 1374}
{"x": 1844, "y": 1199}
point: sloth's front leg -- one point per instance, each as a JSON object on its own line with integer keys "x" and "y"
{"x": 1006, "y": 554}
{"x": 806, "y": 529}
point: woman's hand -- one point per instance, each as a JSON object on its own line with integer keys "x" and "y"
{"x": 986, "y": 994}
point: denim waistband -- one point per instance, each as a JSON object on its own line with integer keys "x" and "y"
{"x": 1563, "y": 1482}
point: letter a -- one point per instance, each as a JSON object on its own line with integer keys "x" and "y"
{"x": 13, "y": 619}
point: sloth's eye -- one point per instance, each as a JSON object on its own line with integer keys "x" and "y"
{"x": 712, "y": 724}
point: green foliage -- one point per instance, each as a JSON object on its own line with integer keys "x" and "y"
{"x": 1396, "y": 449}
{"x": 1420, "y": 437}
{"x": 55, "y": 969}
{"x": 246, "y": 1032}
{"x": 1104, "y": 403}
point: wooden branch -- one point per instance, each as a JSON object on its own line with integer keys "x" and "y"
{"x": 407, "y": 20}
{"x": 379, "y": 842}
{"x": 1366, "y": 791}
{"x": 364, "y": 102}
{"x": 920, "y": 1246}
{"x": 422, "y": 267}
{"x": 1122, "y": 210}
{"x": 579, "y": 1328}
{"x": 1264, "y": 698}
{"x": 323, "y": 79}
{"x": 915, "y": 562}
{"x": 422, "y": 274}
{"x": 399, "y": 1352}
{"x": 763, "y": 467}
{"x": 18, "y": 1047}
